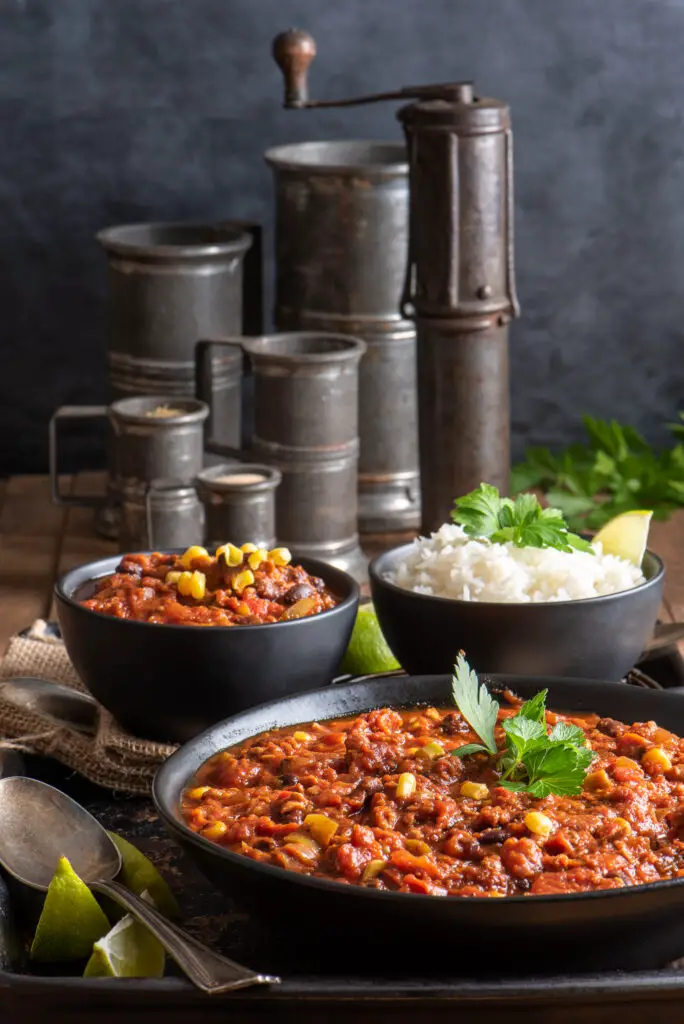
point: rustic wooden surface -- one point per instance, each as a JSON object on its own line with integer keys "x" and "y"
{"x": 39, "y": 540}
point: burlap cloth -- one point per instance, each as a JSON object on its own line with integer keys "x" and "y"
{"x": 111, "y": 757}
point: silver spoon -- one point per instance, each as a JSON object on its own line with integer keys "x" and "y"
{"x": 65, "y": 706}
{"x": 39, "y": 824}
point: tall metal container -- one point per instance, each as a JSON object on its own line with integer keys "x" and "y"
{"x": 460, "y": 281}
{"x": 169, "y": 286}
{"x": 341, "y": 251}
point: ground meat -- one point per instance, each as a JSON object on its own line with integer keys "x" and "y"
{"x": 356, "y": 801}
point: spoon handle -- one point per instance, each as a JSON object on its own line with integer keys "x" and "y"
{"x": 209, "y": 971}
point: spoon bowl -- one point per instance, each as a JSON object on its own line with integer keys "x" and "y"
{"x": 40, "y": 824}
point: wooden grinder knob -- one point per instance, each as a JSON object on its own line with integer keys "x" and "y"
{"x": 293, "y": 52}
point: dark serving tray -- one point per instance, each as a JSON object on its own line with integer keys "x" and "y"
{"x": 312, "y": 987}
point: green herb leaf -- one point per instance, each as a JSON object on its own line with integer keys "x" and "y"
{"x": 523, "y": 522}
{"x": 535, "y": 709}
{"x": 470, "y": 748}
{"x": 558, "y": 768}
{"x": 562, "y": 732}
{"x": 473, "y": 700}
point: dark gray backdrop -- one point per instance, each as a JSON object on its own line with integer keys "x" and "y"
{"x": 120, "y": 110}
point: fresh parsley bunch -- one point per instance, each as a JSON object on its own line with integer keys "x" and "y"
{"x": 533, "y": 760}
{"x": 484, "y": 513}
{"x": 616, "y": 465}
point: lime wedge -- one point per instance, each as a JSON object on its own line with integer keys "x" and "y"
{"x": 139, "y": 874}
{"x": 127, "y": 951}
{"x": 368, "y": 650}
{"x": 626, "y": 536}
{"x": 71, "y": 919}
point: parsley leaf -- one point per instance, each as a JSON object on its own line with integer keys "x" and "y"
{"x": 533, "y": 760}
{"x": 473, "y": 700}
{"x": 615, "y": 464}
{"x": 523, "y": 522}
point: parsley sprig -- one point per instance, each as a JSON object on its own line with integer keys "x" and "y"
{"x": 484, "y": 513}
{"x": 532, "y": 760}
{"x": 615, "y": 463}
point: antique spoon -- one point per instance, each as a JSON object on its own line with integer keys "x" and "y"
{"x": 39, "y": 824}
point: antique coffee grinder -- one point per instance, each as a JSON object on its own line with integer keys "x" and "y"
{"x": 460, "y": 286}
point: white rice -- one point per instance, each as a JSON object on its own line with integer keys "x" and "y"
{"x": 451, "y": 564}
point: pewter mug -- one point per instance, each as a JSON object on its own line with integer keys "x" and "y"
{"x": 306, "y": 426}
{"x": 239, "y": 503}
{"x": 341, "y": 250}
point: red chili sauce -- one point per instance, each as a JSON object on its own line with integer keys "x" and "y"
{"x": 336, "y": 800}
{"x": 204, "y": 590}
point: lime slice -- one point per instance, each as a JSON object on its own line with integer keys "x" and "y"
{"x": 626, "y": 536}
{"x": 71, "y": 919}
{"x": 127, "y": 951}
{"x": 368, "y": 650}
{"x": 139, "y": 874}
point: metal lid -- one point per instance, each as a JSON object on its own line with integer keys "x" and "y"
{"x": 469, "y": 116}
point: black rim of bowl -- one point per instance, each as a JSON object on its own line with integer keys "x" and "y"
{"x": 62, "y": 594}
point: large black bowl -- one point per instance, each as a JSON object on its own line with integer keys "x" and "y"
{"x": 635, "y": 927}
{"x": 170, "y": 682}
{"x": 596, "y": 638}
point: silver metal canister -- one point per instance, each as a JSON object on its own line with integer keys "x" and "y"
{"x": 162, "y": 516}
{"x": 341, "y": 251}
{"x": 152, "y": 439}
{"x": 169, "y": 286}
{"x": 306, "y": 426}
{"x": 239, "y": 503}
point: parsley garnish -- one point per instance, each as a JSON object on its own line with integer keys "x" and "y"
{"x": 484, "y": 513}
{"x": 532, "y": 761}
{"x": 617, "y": 464}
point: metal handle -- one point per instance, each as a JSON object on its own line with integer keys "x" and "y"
{"x": 204, "y": 391}
{"x": 72, "y": 412}
{"x": 209, "y": 971}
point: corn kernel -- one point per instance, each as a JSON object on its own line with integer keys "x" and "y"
{"x": 215, "y": 830}
{"x": 232, "y": 555}
{"x": 657, "y": 758}
{"x": 257, "y": 557}
{"x": 198, "y": 792}
{"x": 475, "y": 790}
{"x": 172, "y": 577}
{"x": 248, "y": 548}
{"x": 625, "y": 762}
{"x": 417, "y": 847}
{"x": 192, "y": 584}
{"x": 242, "y": 579}
{"x": 406, "y": 786}
{"x": 372, "y": 870}
{"x": 191, "y": 554}
{"x": 598, "y": 780}
{"x": 244, "y": 609}
{"x": 412, "y": 750}
{"x": 539, "y": 823}
{"x": 431, "y": 750}
{"x": 321, "y": 827}
{"x": 280, "y": 556}
{"x": 301, "y": 737}
{"x": 624, "y": 825}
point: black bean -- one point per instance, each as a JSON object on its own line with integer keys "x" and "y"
{"x": 297, "y": 593}
{"x": 492, "y": 835}
{"x": 609, "y": 727}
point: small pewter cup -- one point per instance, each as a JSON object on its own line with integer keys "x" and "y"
{"x": 239, "y": 503}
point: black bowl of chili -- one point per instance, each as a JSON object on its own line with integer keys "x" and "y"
{"x": 630, "y": 926}
{"x": 169, "y": 682}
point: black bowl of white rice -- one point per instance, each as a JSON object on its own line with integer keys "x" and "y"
{"x": 526, "y": 611}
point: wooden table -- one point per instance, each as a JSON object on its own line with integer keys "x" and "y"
{"x": 39, "y": 540}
